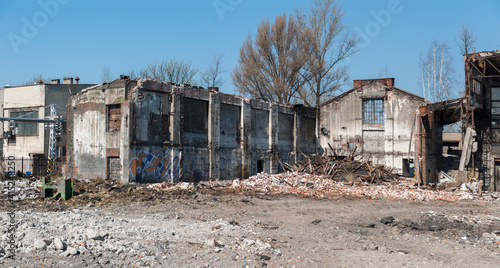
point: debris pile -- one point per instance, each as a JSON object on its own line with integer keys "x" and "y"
{"x": 347, "y": 169}
{"x": 323, "y": 187}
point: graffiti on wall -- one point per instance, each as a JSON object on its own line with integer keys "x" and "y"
{"x": 146, "y": 167}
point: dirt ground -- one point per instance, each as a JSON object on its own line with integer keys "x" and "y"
{"x": 113, "y": 226}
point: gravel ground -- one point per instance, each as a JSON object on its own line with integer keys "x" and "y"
{"x": 218, "y": 228}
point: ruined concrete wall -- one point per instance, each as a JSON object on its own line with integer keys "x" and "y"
{"x": 341, "y": 123}
{"x": 402, "y": 108}
{"x": 95, "y": 148}
{"x": 385, "y": 142}
{"x": 180, "y": 133}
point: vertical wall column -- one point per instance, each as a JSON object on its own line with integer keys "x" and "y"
{"x": 273, "y": 138}
{"x": 175, "y": 130}
{"x": 214, "y": 135}
{"x": 125, "y": 141}
{"x": 246, "y": 139}
{"x": 297, "y": 135}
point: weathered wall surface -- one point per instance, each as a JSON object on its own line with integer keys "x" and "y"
{"x": 383, "y": 143}
{"x": 95, "y": 147}
{"x": 182, "y": 133}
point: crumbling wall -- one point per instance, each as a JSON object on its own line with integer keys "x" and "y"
{"x": 381, "y": 141}
{"x": 165, "y": 132}
{"x": 95, "y": 144}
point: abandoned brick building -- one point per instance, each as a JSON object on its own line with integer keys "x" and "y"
{"x": 375, "y": 118}
{"x": 147, "y": 131}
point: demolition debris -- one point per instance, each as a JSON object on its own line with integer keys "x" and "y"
{"x": 342, "y": 169}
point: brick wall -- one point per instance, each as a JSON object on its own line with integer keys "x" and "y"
{"x": 114, "y": 117}
{"x": 389, "y": 82}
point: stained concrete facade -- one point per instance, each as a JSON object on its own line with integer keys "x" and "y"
{"x": 147, "y": 131}
{"x": 376, "y": 118}
{"x": 33, "y": 99}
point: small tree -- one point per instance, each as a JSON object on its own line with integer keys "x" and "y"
{"x": 170, "y": 70}
{"x": 435, "y": 72}
{"x": 466, "y": 40}
{"x": 273, "y": 66}
{"x": 36, "y": 80}
{"x": 212, "y": 76}
{"x": 106, "y": 75}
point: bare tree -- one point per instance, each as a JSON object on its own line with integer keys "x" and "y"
{"x": 273, "y": 66}
{"x": 36, "y": 80}
{"x": 212, "y": 76}
{"x": 436, "y": 68}
{"x": 106, "y": 75}
{"x": 466, "y": 40}
{"x": 170, "y": 70}
{"x": 331, "y": 44}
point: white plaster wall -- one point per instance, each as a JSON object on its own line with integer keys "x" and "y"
{"x": 89, "y": 142}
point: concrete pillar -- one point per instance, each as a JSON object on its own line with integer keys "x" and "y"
{"x": 388, "y": 149}
{"x": 125, "y": 141}
{"x": 273, "y": 138}
{"x": 246, "y": 138}
{"x": 214, "y": 136}
{"x": 297, "y": 135}
{"x": 175, "y": 132}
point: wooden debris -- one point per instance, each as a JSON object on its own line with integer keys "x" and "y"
{"x": 342, "y": 169}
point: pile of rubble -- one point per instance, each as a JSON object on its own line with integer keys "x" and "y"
{"x": 342, "y": 169}
{"x": 323, "y": 187}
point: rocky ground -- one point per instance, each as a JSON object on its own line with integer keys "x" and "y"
{"x": 234, "y": 225}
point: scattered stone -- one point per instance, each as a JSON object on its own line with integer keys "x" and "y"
{"x": 40, "y": 244}
{"x": 387, "y": 220}
{"x": 94, "y": 235}
{"x": 486, "y": 236}
{"x": 136, "y": 245}
{"x": 316, "y": 222}
{"x": 72, "y": 251}
{"x": 210, "y": 242}
{"x": 264, "y": 257}
{"x": 59, "y": 244}
{"x": 435, "y": 228}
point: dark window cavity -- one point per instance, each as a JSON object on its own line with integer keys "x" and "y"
{"x": 195, "y": 115}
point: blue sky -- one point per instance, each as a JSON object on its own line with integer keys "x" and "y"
{"x": 67, "y": 38}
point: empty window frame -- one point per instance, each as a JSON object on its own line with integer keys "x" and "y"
{"x": 25, "y": 128}
{"x": 373, "y": 111}
{"x": 114, "y": 117}
{"x": 195, "y": 115}
{"x": 309, "y": 130}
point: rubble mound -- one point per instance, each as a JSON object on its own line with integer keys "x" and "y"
{"x": 342, "y": 169}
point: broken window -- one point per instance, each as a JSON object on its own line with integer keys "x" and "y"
{"x": 373, "y": 111}
{"x": 308, "y": 130}
{"x": 25, "y": 128}
{"x": 195, "y": 115}
{"x": 114, "y": 117}
{"x": 285, "y": 127}
{"x": 154, "y": 128}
